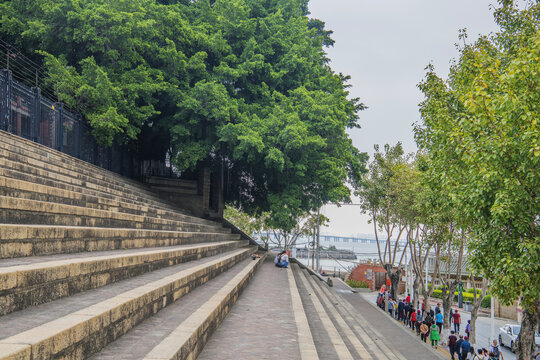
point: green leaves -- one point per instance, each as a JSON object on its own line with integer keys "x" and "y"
{"x": 244, "y": 83}
{"x": 479, "y": 131}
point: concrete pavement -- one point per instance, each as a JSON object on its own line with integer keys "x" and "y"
{"x": 483, "y": 327}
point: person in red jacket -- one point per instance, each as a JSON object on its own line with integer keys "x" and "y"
{"x": 412, "y": 321}
{"x": 457, "y": 320}
{"x": 408, "y": 299}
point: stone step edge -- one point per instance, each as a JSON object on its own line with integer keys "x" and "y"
{"x": 189, "y": 338}
{"x": 72, "y": 210}
{"x": 54, "y": 337}
{"x": 69, "y": 184}
{"x": 56, "y": 278}
{"x": 62, "y": 174}
{"x": 97, "y": 202}
{"x": 308, "y": 350}
{"x": 63, "y": 158}
{"x": 375, "y": 341}
{"x": 21, "y": 231}
{"x": 23, "y": 171}
{"x": 62, "y": 169}
{"x": 346, "y": 329}
{"x": 333, "y": 334}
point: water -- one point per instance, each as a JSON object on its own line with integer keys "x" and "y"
{"x": 364, "y": 252}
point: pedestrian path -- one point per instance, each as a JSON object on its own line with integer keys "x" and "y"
{"x": 249, "y": 330}
{"x": 292, "y": 314}
{"x": 384, "y": 328}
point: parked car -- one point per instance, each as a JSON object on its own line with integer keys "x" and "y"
{"x": 509, "y": 333}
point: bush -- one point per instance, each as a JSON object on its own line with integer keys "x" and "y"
{"x": 467, "y": 296}
{"x": 357, "y": 284}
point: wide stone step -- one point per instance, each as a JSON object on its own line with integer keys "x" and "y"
{"x": 18, "y": 157}
{"x": 79, "y": 325}
{"x": 181, "y": 330}
{"x": 360, "y": 339}
{"x": 329, "y": 343}
{"x": 34, "y": 151}
{"x": 44, "y": 176}
{"x": 18, "y": 240}
{"x": 31, "y": 281}
{"x": 11, "y": 159}
{"x": 10, "y": 187}
{"x": 25, "y": 177}
{"x": 24, "y": 211}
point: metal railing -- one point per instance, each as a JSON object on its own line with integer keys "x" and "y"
{"x": 26, "y": 113}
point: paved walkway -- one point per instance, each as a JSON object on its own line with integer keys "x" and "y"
{"x": 397, "y": 337}
{"x": 265, "y": 304}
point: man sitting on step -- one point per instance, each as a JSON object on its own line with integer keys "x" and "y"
{"x": 283, "y": 260}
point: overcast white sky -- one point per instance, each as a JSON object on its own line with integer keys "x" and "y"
{"x": 385, "y": 46}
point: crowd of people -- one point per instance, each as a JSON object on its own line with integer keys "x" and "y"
{"x": 428, "y": 324}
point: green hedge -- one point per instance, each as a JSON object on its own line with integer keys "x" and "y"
{"x": 467, "y": 296}
{"x": 357, "y": 284}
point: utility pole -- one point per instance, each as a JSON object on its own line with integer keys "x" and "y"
{"x": 313, "y": 249}
{"x": 318, "y": 240}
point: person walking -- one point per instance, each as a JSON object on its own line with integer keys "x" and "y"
{"x": 418, "y": 321}
{"x": 412, "y": 320}
{"x": 391, "y": 307}
{"x": 400, "y": 309}
{"x": 457, "y": 320}
{"x": 468, "y": 328}
{"x": 407, "y": 313}
{"x": 465, "y": 348}
{"x": 434, "y": 336}
{"x": 452, "y": 339}
{"x": 495, "y": 349}
{"x": 437, "y": 308}
{"x": 458, "y": 346}
{"x": 424, "y": 329}
{"x": 439, "y": 320}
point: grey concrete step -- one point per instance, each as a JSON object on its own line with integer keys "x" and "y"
{"x": 19, "y": 157}
{"x": 31, "y": 190}
{"x": 24, "y": 211}
{"x": 17, "y": 240}
{"x": 181, "y": 330}
{"x": 363, "y": 341}
{"x": 44, "y": 176}
{"x": 29, "y": 281}
{"x": 33, "y": 151}
{"x": 82, "y": 324}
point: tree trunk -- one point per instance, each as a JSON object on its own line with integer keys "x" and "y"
{"x": 395, "y": 278}
{"x": 476, "y": 306}
{"x": 447, "y": 300}
{"x": 525, "y": 342}
{"x": 474, "y": 316}
{"x": 416, "y": 296}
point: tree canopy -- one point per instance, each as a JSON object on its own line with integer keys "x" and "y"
{"x": 480, "y": 129}
{"x": 243, "y": 84}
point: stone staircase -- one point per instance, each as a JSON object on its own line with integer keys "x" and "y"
{"x": 94, "y": 264}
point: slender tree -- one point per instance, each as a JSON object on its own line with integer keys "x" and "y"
{"x": 480, "y": 129}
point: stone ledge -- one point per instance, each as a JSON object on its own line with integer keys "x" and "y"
{"x": 88, "y": 330}
{"x": 22, "y": 286}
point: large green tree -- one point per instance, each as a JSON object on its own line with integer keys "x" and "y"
{"x": 480, "y": 128}
{"x": 238, "y": 85}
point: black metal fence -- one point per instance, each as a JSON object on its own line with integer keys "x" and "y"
{"x": 24, "y": 112}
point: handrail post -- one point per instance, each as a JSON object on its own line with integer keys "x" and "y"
{"x": 35, "y": 119}
{"x": 5, "y": 108}
{"x": 59, "y": 119}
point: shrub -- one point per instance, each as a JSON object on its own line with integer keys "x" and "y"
{"x": 467, "y": 296}
{"x": 357, "y": 284}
